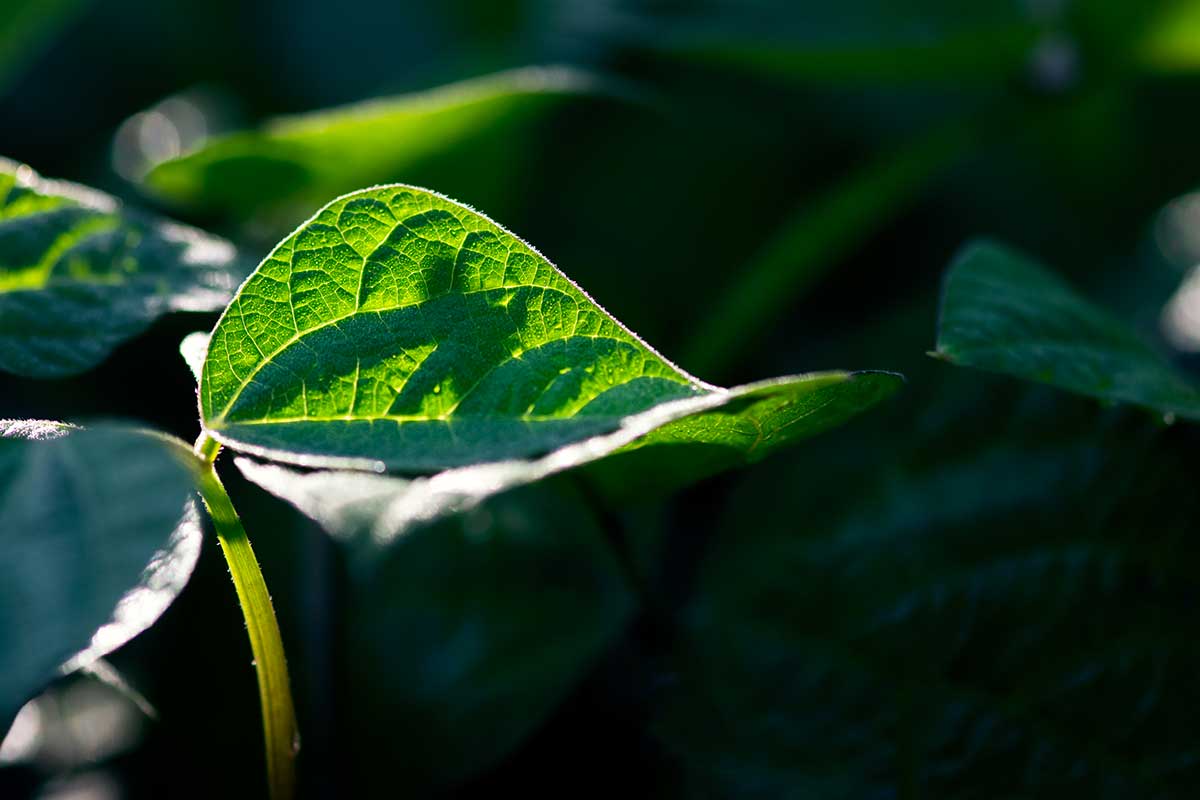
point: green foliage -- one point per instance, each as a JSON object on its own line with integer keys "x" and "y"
{"x": 25, "y": 25}
{"x": 480, "y": 625}
{"x": 79, "y": 274}
{"x": 1004, "y": 313}
{"x": 983, "y": 614}
{"x": 533, "y": 532}
{"x": 98, "y": 534}
{"x": 398, "y": 329}
{"x": 664, "y": 448}
{"x": 295, "y": 162}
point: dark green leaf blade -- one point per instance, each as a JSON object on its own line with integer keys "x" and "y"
{"x": 79, "y": 273}
{"x": 1005, "y": 616}
{"x": 473, "y": 631}
{"x": 1004, "y": 313}
{"x": 98, "y": 534}
{"x": 400, "y": 330}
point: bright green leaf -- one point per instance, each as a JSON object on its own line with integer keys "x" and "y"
{"x": 1004, "y": 313}
{"x": 298, "y": 161}
{"x": 398, "y": 329}
{"x": 79, "y": 273}
{"x": 666, "y": 447}
{"x": 98, "y": 534}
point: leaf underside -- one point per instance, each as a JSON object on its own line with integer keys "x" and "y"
{"x": 98, "y": 534}
{"x": 1003, "y": 313}
{"x": 79, "y": 274}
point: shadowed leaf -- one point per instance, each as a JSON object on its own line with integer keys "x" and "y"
{"x": 98, "y": 534}
{"x": 1004, "y": 313}
{"x": 79, "y": 273}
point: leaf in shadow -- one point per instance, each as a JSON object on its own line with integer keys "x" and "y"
{"x": 98, "y": 535}
{"x": 1004, "y": 313}
{"x": 80, "y": 273}
{"x": 1009, "y": 618}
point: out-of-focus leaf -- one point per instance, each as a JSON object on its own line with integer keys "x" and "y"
{"x": 1012, "y": 617}
{"x": 193, "y": 349}
{"x": 298, "y": 161}
{"x": 400, "y": 330}
{"x": 468, "y": 633}
{"x": 1004, "y": 313}
{"x": 1171, "y": 41}
{"x": 812, "y": 241}
{"x": 25, "y": 26}
{"x": 860, "y": 41}
{"x": 664, "y": 448}
{"x": 79, "y": 273}
{"x": 98, "y": 534}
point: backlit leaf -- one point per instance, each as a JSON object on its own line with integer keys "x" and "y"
{"x": 664, "y": 448}
{"x": 400, "y": 330}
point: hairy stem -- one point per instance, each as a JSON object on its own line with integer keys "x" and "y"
{"x": 274, "y": 688}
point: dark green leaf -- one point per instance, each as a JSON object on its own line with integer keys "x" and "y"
{"x": 861, "y": 41}
{"x": 469, "y": 633}
{"x": 1014, "y": 620}
{"x": 98, "y": 534}
{"x": 664, "y": 448}
{"x": 79, "y": 273}
{"x": 1004, "y": 313}
{"x": 25, "y": 27}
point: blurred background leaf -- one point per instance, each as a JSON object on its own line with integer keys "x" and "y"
{"x": 80, "y": 273}
{"x": 995, "y": 614}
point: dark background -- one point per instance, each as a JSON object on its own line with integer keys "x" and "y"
{"x": 1007, "y": 571}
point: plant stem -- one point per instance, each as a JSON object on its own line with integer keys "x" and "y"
{"x": 274, "y": 689}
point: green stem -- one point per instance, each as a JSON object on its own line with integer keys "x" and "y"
{"x": 274, "y": 689}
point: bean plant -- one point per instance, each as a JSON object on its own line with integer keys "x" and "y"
{"x": 930, "y": 537}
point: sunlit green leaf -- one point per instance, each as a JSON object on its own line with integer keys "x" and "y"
{"x": 664, "y": 448}
{"x": 1004, "y": 313}
{"x": 296, "y": 162}
{"x": 79, "y": 273}
{"x": 398, "y": 329}
{"x": 98, "y": 534}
